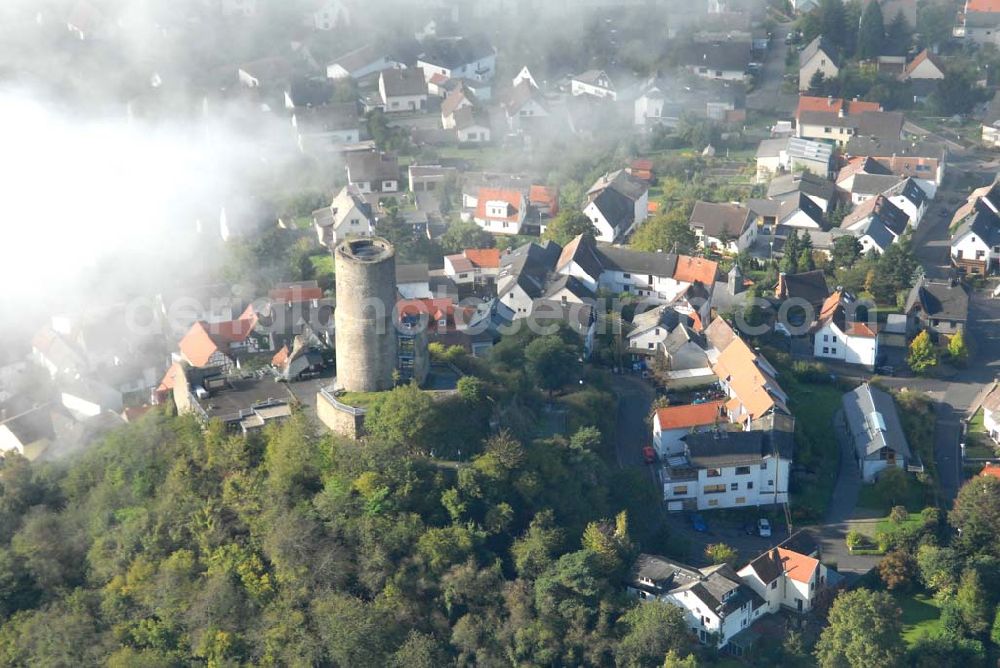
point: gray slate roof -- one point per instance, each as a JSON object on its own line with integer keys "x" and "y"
{"x": 874, "y": 422}
{"x": 819, "y": 44}
{"x": 943, "y": 300}
{"x": 404, "y": 82}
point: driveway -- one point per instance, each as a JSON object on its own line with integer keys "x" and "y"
{"x": 635, "y": 398}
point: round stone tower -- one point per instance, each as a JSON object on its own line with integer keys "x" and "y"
{"x": 365, "y": 331}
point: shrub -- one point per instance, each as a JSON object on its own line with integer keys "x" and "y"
{"x": 898, "y": 514}
{"x": 855, "y": 540}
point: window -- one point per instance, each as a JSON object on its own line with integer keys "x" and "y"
{"x": 741, "y": 499}
{"x": 951, "y": 323}
{"x": 680, "y": 490}
{"x": 742, "y": 470}
{"x": 714, "y": 473}
{"x": 657, "y": 331}
{"x": 648, "y": 345}
{"x": 750, "y": 484}
{"x": 733, "y": 486}
{"x": 774, "y": 585}
{"x": 763, "y": 466}
{"x": 827, "y": 130}
{"x": 826, "y": 350}
{"x": 713, "y": 489}
{"x": 770, "y": 483}
{"x": 713, "y": 502}
{"x": 834, "y": 339}
{"x": 626, "y": 275}
{"x": 826, "y": 337}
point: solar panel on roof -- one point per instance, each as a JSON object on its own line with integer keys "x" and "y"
{"x": 876, "y": 421}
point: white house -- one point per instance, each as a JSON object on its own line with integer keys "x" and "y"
{"x": 347, "y": 216}
{"x": 975, "y": 246}
{"x": 728, "y": 227}
{"x": 402, "y": 90}
{"x": 818, "y": 56}
{"x": 616, "y": 203}
{"x": 372, "y": 171}
{"x": 838, "y": 335}
{"x": 728, "y": 469}
{"x": 500, "y": 210}
{"x": 717, "y": 604}
{"x": 473, "y": 265}
{"x": 28, "y": 433}
{"x": 785, "y": 579}
{"x": 876, "y": 432}
{"x": 523, "y": 103}
{"x": 925, "y": 66}
{"x": 672, "y": 424}
{"x": 327, "y": 127}
{"x": 595, "y": 83}
{"x": 458, "y": 58}
{"x": 991, "y": 413}
{"x": 526, "y": 76}
{"x": 459, "y": 98}
{"x": 472, "y": 125}
{"x": 359, "y": 63}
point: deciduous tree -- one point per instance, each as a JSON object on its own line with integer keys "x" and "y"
{"x": 864, "y": 630}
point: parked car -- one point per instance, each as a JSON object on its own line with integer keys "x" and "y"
{"x": 698, "y": 523}
{"x": 649, "y": 454}
{"x": 764, "y": 527}
{"x": 885, "y": 370}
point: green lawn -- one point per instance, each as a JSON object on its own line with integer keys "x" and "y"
{"x": 978, "y": 444}
{"x": 888, "y": 526}
{"x": 921, "y": 616}
{"x": 876, "y": 497}
{"x": 359, "y": 399}
{"x": 814, "y": 406}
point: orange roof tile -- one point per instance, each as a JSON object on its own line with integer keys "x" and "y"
{"x": 280, "y": 357}
{"x": 487, "y": 258}
{"x": 860, "y": 329}
{"x": 295, "y": 294}
{"x": 690, "y": 415}
{"x": 513, "y": 198}
{"x": 695, "y": 269}
{"x": 169, "y": 378}
{"x": 810, "y": 103}
{"x": 737, "y": 364}
{"x": 198, "y": 346}
{"x": 986, "y": 6}
{"x": 544, "y": 196}
{"x": 797, "y": 566}
{"x": 991, "y": 470}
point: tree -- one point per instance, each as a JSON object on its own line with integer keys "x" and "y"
{"x": 402, "y": 416}
{"x": 569, "y": 224}
{"x": 975, "y": 515}
{"x": 957, "y": 350}
{"x": 934, "y": 22}
{"x": 846, "y": 251}
{"x": 805, "y": 261}
{"x": 419, "y": 651}
{"x": 790, "y": 259}
{"x": 864, "y": 629}
{"x": 972, "y": 603}
{"x": 536, "y": 549}
{"x": 898, "y": 35}
{"x": 871, "y": 32}
{"x": 652, "y": 630}
{"x": 923, "y": 354}
{"x": 957, "y": 93}
{"x": 551, "y": 362}
{"x": 675, "y": 660}
{"x": 897, "y": 570}
{"x": 667, "y": 232}
{"x": 833, "y": 22}
{"x": 817, "y": 84}
{"x": 947, "y": 651}
{"x": 462, "y": 235}
{"x": 720, "y": 553}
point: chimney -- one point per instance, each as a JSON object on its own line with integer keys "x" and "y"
{"x": 829, "y": 100}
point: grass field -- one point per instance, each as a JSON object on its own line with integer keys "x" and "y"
{"x": 359, "y": 399}
{"x": 978, "y": 444}
{"x": 814, "y": 407}
{"x": 921, "y": 616}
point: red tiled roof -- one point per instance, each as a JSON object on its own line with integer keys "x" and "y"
{"x": 860, "y": 329}
{"x": 797, "y": 566}
{"x": 691, "y": 415}
{"x": 295, "y": 294}
{"x": 487, "y": 258}
{"x": 810, "y": 103}
{"x": 643, "y": 164}
{"x": 280, "y": 357}
{"x": 435, "y": 309}
{"x": 544, "y": 196}
{"x": 169, "y": 378}
{"x": 204, "y": 339}
{"x": 986, "y": 6}
{"x": 513, "y": 198}
{"x": 691, "y": 269}
{"x": 921, "y": 57}
{"x": 991, "y": 470}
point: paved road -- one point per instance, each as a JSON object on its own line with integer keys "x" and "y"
{"x": 767, "y": 96}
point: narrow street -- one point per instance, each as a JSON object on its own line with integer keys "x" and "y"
{"x": 768, "y": 96}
